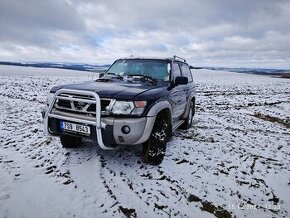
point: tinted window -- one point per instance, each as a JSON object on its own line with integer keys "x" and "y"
{"x": 186, "y": 72}
{"x": 175, "y": 71}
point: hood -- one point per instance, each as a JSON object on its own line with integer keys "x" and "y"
{"x": 119, "y": 90}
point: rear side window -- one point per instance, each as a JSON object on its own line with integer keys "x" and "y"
{"x": 186, "y": 72}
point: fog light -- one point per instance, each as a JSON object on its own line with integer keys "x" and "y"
{"x": 125, "y": 129}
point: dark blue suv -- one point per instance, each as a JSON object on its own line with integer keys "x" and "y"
{"x": 136, "y": 101}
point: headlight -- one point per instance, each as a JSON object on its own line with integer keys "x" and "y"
{"x": 49, "y": 98}
{"x": 128, "y": 107}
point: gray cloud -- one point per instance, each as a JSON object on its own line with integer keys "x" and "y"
{"x": 35, "y": 23}
{"x": 209, "y": 32}
{"x": 35, "y": 14}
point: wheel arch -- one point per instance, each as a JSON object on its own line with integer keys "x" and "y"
{"x": 162, "y": 108}
{"x": 158, "y": 107}
{"x": 166, "y": 114}
{"x": 190, "y": 99}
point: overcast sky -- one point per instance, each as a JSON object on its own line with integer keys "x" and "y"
{"x": 207, "y": 33}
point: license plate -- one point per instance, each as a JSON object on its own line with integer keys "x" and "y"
{"x": 76, "y": 128}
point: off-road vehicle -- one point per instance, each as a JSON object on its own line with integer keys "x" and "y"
{"x": 136, "y": 101}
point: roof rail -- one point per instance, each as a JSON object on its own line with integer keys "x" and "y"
{"x": 180, "y": 58}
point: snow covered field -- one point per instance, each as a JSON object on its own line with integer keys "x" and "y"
{"x": 235, "y": 161}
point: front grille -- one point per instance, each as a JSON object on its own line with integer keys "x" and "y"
{"x": 64, "y": 103}
{"x": 92, "y": 108}
{"x": 74, "y": 106}
{"x": 104, "y": 104}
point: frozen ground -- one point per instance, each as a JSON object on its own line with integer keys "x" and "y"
{"x": 235, "y": 161}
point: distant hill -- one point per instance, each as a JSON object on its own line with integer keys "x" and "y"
{"x": 284, "y": 73}
{"x": 97, "y": 68}
{"x": 69, "y": 66}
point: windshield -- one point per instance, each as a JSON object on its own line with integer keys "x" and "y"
{"x": 157, "y": 69}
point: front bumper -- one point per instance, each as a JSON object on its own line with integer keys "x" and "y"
{"x": 106, "y": 131}
{"x": 140, "y": 129}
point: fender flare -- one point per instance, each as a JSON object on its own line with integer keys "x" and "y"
{"x": 191, "y": 96}
{"x": 151, "y": 117}
{"x": 159, "y": 106}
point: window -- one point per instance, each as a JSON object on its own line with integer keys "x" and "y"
{"x": 175, "y": 71}
{"x": 186, "y": 72}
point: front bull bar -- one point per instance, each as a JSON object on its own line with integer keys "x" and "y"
{"x": 99, "y": 125}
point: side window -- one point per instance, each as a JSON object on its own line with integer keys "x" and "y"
{"x": 186, "y": 72}
{"x": 175, "y": 71}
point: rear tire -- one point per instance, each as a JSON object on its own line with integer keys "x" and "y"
{"x": 70, "y": 141}
{"x": 153, "y": 150}
{"x": 188, "y": 121}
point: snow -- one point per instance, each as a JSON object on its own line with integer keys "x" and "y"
{"x": 236, "y": 155}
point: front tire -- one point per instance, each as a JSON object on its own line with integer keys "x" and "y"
{"x": 153, "y": 150}
{"x": 70, "y": 141}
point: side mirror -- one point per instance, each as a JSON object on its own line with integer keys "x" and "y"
{"x": 181, "y": 80}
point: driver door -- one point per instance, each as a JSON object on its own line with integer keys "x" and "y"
{"x": 177, "y": 94}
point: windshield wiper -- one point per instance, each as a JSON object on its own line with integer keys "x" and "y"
{"x": 145, "y": 77}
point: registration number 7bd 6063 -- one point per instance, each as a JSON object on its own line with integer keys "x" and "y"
{"x": 76, "y": 128}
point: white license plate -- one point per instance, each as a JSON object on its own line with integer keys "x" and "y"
{"x": 73, "y": 127}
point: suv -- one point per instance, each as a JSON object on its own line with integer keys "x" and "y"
{"x": 136, "y": 101}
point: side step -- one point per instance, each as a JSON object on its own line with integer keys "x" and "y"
{"x": 177, "y": 124}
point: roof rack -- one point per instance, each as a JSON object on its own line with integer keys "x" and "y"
{"x": 175, "y": 57}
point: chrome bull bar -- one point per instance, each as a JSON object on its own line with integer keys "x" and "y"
{"x": 99, "y": 125}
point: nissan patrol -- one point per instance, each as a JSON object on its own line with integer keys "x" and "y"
{"x": 136, "y": 101}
